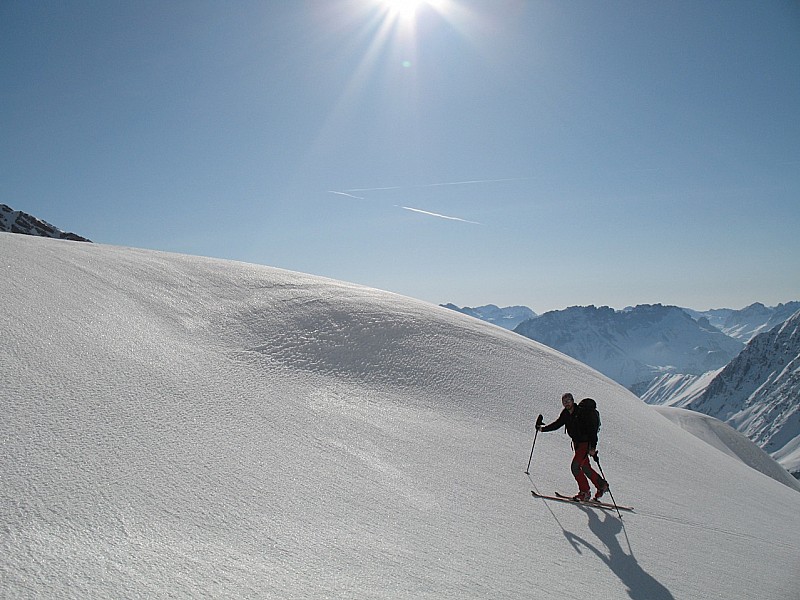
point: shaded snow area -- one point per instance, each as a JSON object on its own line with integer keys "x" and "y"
{"x": 177, "y": 426}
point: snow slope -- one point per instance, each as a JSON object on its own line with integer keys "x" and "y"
{"x": 181, "y": 426}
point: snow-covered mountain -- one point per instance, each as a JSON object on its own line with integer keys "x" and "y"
{"x": 758, "y": 393}
{"x": 634, "y": 346}
{"x": 507, "y": 318}
{"x": 677, "y": 389}
{"x": 742, "y": 324}
{"x": 15, "y": 221}
{"x": 748, "y": 322}
{"x": 188, "y": 427}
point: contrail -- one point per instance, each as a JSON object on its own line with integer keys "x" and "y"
{"x": 345, "y": 194}
{"x": 433, "y": 214}
{"x": 426, "y": 185}
{"x": 417, "y": 210}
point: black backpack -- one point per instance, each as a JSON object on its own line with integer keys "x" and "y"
{"x": 590, "y": 416}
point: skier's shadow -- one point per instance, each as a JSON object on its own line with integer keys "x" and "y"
{"x": 641, "y": 585}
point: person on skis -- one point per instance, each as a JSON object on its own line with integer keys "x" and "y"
{"x": 582, "y": 428}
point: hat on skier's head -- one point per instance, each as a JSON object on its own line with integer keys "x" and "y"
{"x": 567, "y": 399}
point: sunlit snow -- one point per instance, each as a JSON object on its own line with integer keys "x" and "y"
{"x": 177, "y": 426}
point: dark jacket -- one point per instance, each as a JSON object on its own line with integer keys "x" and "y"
{"x": 578, "y": 426}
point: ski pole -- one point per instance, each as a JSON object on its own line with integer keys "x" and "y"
{"x": 599, "y": 466}
{"x": 538, "y": 424}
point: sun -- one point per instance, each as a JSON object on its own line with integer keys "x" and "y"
{"x": 403, "y": 8}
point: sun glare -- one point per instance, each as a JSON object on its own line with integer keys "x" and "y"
{"x": 403, "y": 8}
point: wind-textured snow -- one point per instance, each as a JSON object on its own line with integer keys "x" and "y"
{"x": 177, "y": 426}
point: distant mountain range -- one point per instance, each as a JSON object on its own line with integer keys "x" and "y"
{"x": 15, "y": 221}
{"x": 507, "y": 318}
{"x": 634, "y": 346}
{"x": 748, "y": 322}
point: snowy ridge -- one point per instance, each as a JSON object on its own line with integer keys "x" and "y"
{"x": 184, "y": 426}
{"x": 726, "y": 439}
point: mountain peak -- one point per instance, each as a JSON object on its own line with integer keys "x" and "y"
{"x": 16, "y": 221}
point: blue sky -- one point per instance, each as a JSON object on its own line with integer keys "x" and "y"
{"x": 500, "y": 151}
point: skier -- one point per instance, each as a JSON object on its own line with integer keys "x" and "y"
{"x": 582, "y": 428}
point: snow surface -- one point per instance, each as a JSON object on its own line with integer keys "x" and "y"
{"x": 181, "y": 426}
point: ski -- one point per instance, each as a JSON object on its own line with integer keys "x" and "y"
{"x": 596, "y": 503}
{"x": 607, "y": 505}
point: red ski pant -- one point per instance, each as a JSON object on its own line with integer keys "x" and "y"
{"x": 581, "y": 468}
